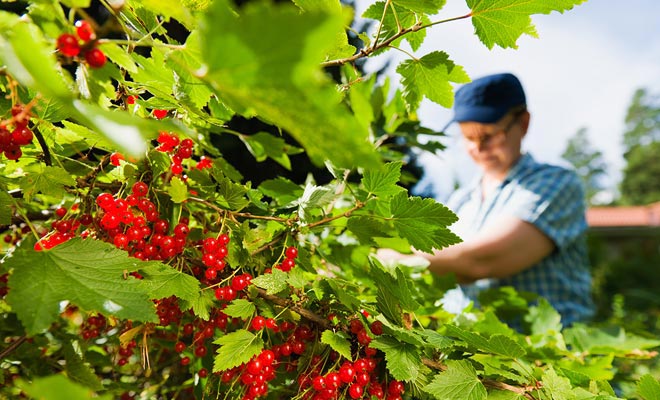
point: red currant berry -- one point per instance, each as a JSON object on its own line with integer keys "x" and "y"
{"x": 95, "y": 58}
{"x": 13, "y": 152}
{"x": 291, "y": 252}
{"x": 159, "y": 114}
{"x": 140, "y": 189}
{"x": 84, "y": 30}
{"x": 177, "y": 169}
{"x": 179, "y": 347}
{"x": 318, "y": 383}
{"x": 203, "y": 373}
{"x": 255, "y": 366}
{"x": 61, "y": 211}
{"x": 116, "y": 158}
{"x": 355, "y": 391}
{"x": 377, "y": 328}
{"x": 22, "y": 136}
{"x": 223, "y": 239}
{"x": 68, "y": 45}
{"x": 258, "y": 323}
{"x": 200, "y": 351}
{"x": 185, "y": 361}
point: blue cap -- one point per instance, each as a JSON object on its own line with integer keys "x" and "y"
{"x": 488, "y": 99}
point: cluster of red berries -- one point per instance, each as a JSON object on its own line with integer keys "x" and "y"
{"x": 63, "y": 229}
{"x": 15, "y": 133}
{"x": 16, "y": 234}
{"x": 93, "y": 327}
{"x": 290, "y": 255}
{"x": 256, "y": 374}
{"x": 179, "y": 150}
{"x": 70, "y": 45}
{"x": 125, "y": 352}
{"x": 168, "y": 311}
{"x": 214, "y": 251}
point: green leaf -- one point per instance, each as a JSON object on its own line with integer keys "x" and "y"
{"x": 232, "y": 195}
{"x": 400, "y": 286}
{"x": 44, "y": 179}
{"x": 77, "y": 370}
{"x": 281, "y": 190}
{"x": 161, "y": 281}
{"x": 313, "y": 197}
{"x": 430, "y": 76}
{"x": 273, "y": 283}
{"x": 6, "y": 204}
{"x": 259, "y": 68}
{"x": 119, "y": 56}
{"x": 29, "y": 58}
{"x": 201, "y": 305}
{"x": 497, "y": 344}
{"x": 544, "y": 318}
{"x": 648, "y": 387}
{"x": 263, "y": 145}
{"x": 557, "y": 387}
{"x": 90, "y": 274}
{"x": 437, "y": 340}
{"x": 366, "y": 228}
{"x": 395, "y": 18}
{"x": 423, "y": 222}
{"x": 602, "y": 341}
{"x": 338, "y": 341}
{"x": 240, "y": 308}
{"x": 383, "y": 182}
{"x": 235, "y": 349}
{"x": 170, "y": 9}
{"x": 421, "y": 6}
{"x": 58, "y": 387}
{"x": 178, "y": 190}
{"x": 403, "y": 359}
{"x": 502, "y": 22}
{"x": 458, "y": 382}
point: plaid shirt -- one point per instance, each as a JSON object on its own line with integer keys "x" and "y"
{"x": 551, "y": 198}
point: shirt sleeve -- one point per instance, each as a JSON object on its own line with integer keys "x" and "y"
{"x": 553, "y": 200}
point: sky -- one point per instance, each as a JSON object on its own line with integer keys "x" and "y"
{"x": 581, "y": 72}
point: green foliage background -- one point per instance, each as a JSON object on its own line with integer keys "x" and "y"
{"x": 266, "y": 61}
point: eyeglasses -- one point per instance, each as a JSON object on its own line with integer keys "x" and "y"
{"x": 497, "y": 137}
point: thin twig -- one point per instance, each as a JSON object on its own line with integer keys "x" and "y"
{"x": 13, "y": 346}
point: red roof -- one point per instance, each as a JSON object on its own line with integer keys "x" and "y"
{"x": 648, "y": 215}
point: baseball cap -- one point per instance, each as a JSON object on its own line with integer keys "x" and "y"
{"x": 488, "y": 99}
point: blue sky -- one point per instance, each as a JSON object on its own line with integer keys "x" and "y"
{"x": 581, "y": 72}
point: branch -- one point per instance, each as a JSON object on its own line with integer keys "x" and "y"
{"x": 367, "y": 52}
{"x": 13, "y": 346}
{"x": 305, "y": 313}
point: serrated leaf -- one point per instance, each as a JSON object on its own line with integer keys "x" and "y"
{"x": 544, "y": 318}
{"x": 396, "y": 17}
{"x": 6, "y": 205}
{"x": 400, "y": 286}
{"x": 240, "y": 308}
{"x": 178, "y": 190}
{"x": 263, "y": 145}
{"x": 235, "y": 349}
{"x": 313, "y": 197}
{"x": 399, "y": 333}
{"x": 437, "y": 340}
{"x": 273, "y": 283}
{"x": 602, "y": 341}
{"x": 119, "y": 56}
{"x": 504, "y": 395}
{"x": 45, "y": 179}
{"x": 422, "y": 222}
{"x": 383, "y": 182}
{"x": 430, "y": 76}
{"x": 170, "y": 9}
{"x": 338, "y": 341}
{"x": 260, "y": 69}
{"x": 502, "y": 22}
{"x": 421, "y": 6}
{"x": 88, "y": 273}
{"x": 648, "y": 387}
{"x": 497, "y": 344}
{"x": 77, "y": 370}
{"x": 200, "y": 305}
{"x": 58, "y": 387}
{"x": 366, "y": 228}
{"x": 458, "y": 382}
{"x": 403, "y": 359}
{"x": 161, "y": 281}
{"x": 282, "y": 190}
{"x": 557, "y": 387}
{"x": 232, "y": 195}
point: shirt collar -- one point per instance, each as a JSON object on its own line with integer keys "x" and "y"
{"x": 523, "y": 163}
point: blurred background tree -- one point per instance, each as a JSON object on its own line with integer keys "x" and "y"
{"x": 588, "y": 162}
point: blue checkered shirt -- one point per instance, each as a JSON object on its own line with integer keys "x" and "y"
{"x": 552, "y": 199}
